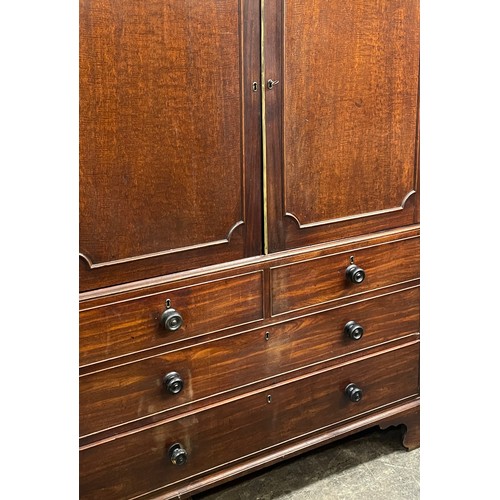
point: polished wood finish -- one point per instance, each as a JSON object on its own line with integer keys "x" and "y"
{"x": 243, "y": 205}
{"x": 137, "y": 463}
{"x": 321, "y": 280}
{"x": 115, "y": 396}
{"x": 409, "y": 421}
{"x": 94, "y": 298}
{"x": 125, "y": 326}
{"x": 341, "y": 150}
{"x": 170, "y": 140}
{"x": 290, "y": 450}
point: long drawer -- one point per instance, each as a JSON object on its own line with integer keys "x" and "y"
{"x": 135, "y": 390}
{"x": 131, "y": 325}
{"x": 323, "y": 279}
{"x": 138, "y": 462}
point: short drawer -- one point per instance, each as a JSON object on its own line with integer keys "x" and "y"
{"x": 133, "y": 325}
{"x": 138, "y": 462}
{"x": 138, "y": 389}
{"x": 316, "y": 281}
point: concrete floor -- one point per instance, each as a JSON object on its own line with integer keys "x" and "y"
{"x": 369, "y": 466}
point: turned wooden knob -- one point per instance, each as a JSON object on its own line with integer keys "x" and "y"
{"x": 170, "y": 319}
{"x": 354, "y": 393}
{"x": 177, "y": 454}
{"x": 353, "y": 330}
{"x": 355, "y": 274}
{"x": 173, "y": 382}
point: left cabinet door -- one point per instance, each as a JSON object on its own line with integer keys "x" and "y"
{"x": 170, "y": 146}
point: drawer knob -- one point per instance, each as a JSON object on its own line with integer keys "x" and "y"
{"x": 170, "y": 319}
{"x": 355, "y": 274}
{"x": 177, "y": 454}
{"x": 354, "y": 393}
{"x": 353, "y": 330}
{"x": 173, "y": 382}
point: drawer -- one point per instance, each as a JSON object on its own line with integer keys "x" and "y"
{"x": 135, "y": 390}
{"x": 138, "y": 462}
{"x": 132, "y": 325}
{"x": 323, "y": 279}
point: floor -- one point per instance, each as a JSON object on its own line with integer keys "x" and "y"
{"x": 370, "y": 466}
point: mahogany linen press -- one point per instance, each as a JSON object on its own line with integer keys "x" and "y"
{"x": 249, "y": 235}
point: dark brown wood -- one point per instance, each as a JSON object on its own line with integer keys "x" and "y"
{"x": 170, "y": 141}
{"x": 321, "y": 280}
{"x": 123, "y": 291}
{"x": 172, "y": 207}
{"x": 287, "y": 451}
{"x": 409, "y": 420}
{"x": 341, "y": 125}
{"x": 127, "y": 322}
{"x": 115, "y": 396}
{"x": 137, "y": 463}
{"x": 136, "y": 292}
{"x": 411, "y": 433}
{"x": 125, "y": 326}
{"x": 249, "y": 328}
{"x": 417, "y": 158}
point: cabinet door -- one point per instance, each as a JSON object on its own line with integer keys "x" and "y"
{"x": 170, "y": 140}
{"x": 342, "y": 122}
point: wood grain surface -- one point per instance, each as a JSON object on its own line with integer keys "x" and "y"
{"x": 342, "y": 123}
{"x": 165, "y": 177}
{"x": 137, "y": 463}
{"x": 175, "y": 197}
{"x": 130, "y": 325}
{"x": 134, "y": 390}
{"x": 316, "y": 281}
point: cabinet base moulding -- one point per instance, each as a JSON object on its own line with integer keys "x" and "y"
{"x": 410, "y": 421}
{"x": 406, "y": 415}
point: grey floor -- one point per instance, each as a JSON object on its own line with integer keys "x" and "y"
{"x": 370, "y": 466}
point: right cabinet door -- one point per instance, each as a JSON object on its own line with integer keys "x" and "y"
{"x": 342, "y": 124}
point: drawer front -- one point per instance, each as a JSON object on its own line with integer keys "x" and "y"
{"x": 320, "y": 280}
{"x": 132, "y": 325}
{"x": 138, "y": 462}
{"x": 134, "y": 390}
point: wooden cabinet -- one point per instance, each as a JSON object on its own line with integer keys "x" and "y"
{"x": 342, "y": 128}
{"x": 237, "y": 158}
{"x": 170, "y": 137}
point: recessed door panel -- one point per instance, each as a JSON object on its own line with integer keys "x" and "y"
{"x": 342, "y": 126}
{"x": 166, "y": 126}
